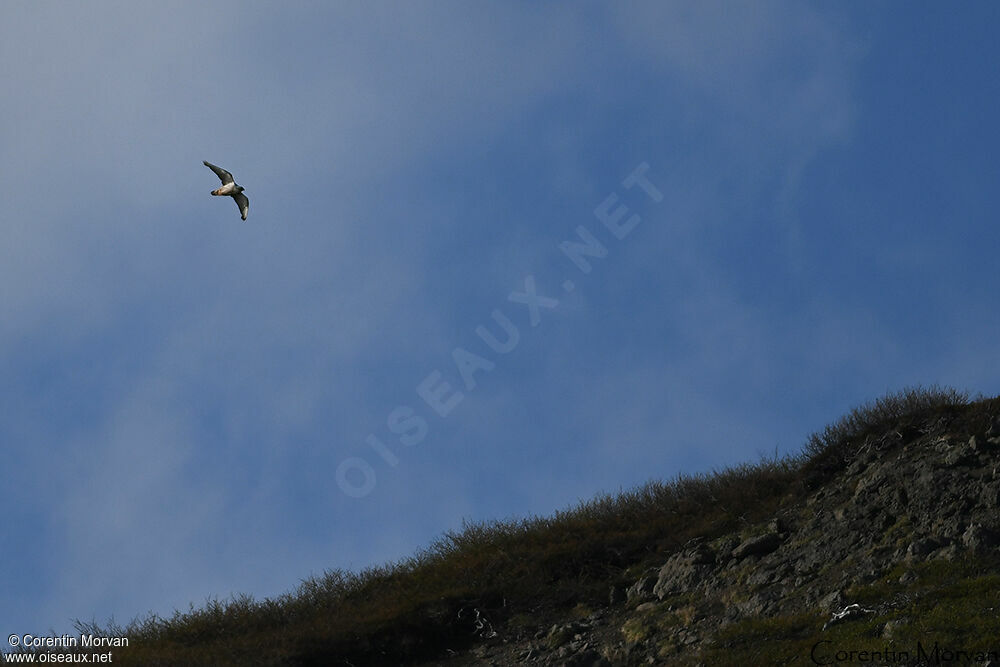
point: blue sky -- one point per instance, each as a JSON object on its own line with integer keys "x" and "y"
{"x": 179, "y": 388}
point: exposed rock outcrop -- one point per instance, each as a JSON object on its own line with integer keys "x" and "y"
{"x": 905, "y": 498}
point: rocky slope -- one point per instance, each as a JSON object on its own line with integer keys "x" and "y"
{"x": 894, "y": 557}
{"x": 879, "y": 544}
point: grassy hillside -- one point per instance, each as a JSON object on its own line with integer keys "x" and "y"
{"x": 513, "y": 577}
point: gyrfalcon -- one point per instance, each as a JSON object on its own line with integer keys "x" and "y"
{"x": 230, "y": 188}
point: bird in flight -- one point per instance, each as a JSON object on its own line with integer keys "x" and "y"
{"x": 230, "y": 188}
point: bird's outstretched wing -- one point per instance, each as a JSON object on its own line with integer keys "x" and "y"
{"x": 226, "y": 177}
{"x": 243, "y": 203}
